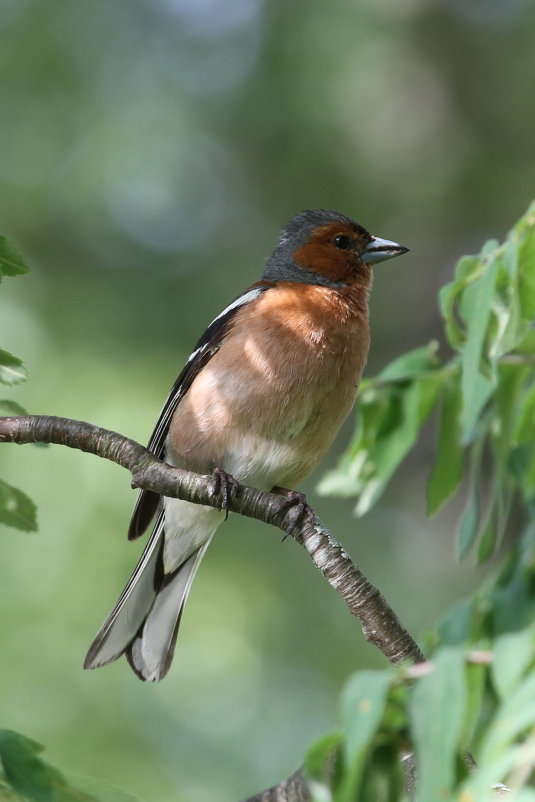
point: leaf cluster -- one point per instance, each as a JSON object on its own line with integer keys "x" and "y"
{"x": 16, "y": 508}
{"x": 404, "y": 738}
{"x": 477, "y": 695}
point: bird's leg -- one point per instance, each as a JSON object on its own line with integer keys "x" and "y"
{"x": 297, "y": 501}
{"x": 224, "y": 486}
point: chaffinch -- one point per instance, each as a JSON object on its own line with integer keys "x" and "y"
{"x": 261, "y": 398}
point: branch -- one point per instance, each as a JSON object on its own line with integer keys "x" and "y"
{"x": 294, "y": 789}
{"x": 379, "y": 622}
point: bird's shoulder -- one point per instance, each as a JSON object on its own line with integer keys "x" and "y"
{"x": 206, "y": 346}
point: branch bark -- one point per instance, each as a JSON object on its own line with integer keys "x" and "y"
{"x": 294, "y": 789}
{"x": 378, "y": 620}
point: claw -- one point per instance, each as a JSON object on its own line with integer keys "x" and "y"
{"x": 298, "y": 502}
{"x": 224, "y": 486}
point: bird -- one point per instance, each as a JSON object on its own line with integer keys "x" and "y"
{"x": 259, "y": 402}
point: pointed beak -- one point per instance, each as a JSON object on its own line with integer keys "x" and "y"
{"x": 378, "y": 250}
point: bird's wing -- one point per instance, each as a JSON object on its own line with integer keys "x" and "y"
{"x": 210, "y": 342}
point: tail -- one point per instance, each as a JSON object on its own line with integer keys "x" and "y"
{"x": 144, "y": 622}
{"x": 150, "y": 653}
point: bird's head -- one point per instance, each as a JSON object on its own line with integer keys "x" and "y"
{"x": 327, "y": 248}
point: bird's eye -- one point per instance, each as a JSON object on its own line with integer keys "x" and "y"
{"x": 342, "y": 241}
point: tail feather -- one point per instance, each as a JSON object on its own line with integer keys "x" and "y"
{"x": 150, "y": 653}
{"x": 144, "y": 622}
{"x": 133, "y": 604}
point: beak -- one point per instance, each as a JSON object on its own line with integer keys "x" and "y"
{"x": 378, "y": 250}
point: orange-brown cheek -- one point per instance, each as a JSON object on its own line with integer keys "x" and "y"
{"x": 322, "y": 259}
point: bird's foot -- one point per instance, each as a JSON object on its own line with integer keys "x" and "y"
{"x": 224, "y": 486}
{"x": 294, "y": 500}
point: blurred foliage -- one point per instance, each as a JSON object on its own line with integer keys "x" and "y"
{"x": 485, "y": 392}
{"x": 151, "y": 149}
{"x": 24, "y": 775}
{"x": 16, "y": 509}
{"x": 11, "y": 264}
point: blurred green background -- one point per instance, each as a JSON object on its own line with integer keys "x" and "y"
{"x": 149, "y": 152}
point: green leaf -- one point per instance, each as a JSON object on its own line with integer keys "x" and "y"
{"x": 410, "y": 407}
{"x": 471, "y": 517}
{"x": 526, "y": 258}
{"x": 489, "y": 539}
{"x": 477, "y": 390}
{"x": 449, "y": 464}
{"x": 455, "y": 627}
{"x": 383, "y": 778}
{"x": 518, "y": 461}
{"x": 12, "y": 371}
{"x": 507, "y": 400}
{"x": 525, "y": 425}
{"x": 514, "y": 301}
{"x": 467, "y": 268}
{"x": 24, "y": 770}
{"x": 511, "y": 721}
{"x": 35, "y": 780}
{"x": 78, "y": 789}
{"x": 469, "y": 524}
{"x": 509, "y": 326}
{"x": 513, "y": 653}
{"x": 323, "y": 766}
{"x": 476, "y": 306}
{"x": 11, "y": 262}
{"x": 527, "y": 343}
{"x": 10, "y": 408}
{"x": 510, "y": 398}
{"x": 413, "y": 363}
{"x": 529, "y": 475}
{"x": 523, "y": 795}
{"x": 320, "y": 755}
{"x": 363, "y": 704}
{"x": 454, "y": 332}
{"x": 476, "y": 675}
{"x": 17, "y": 509}
{"x": 437, "y": 711}
{"x": 511, "y": 599}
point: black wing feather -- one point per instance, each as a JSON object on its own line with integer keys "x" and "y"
{"x": 209, "y": 343}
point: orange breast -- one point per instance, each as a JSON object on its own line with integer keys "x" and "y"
{"x": 269, "y": 403}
